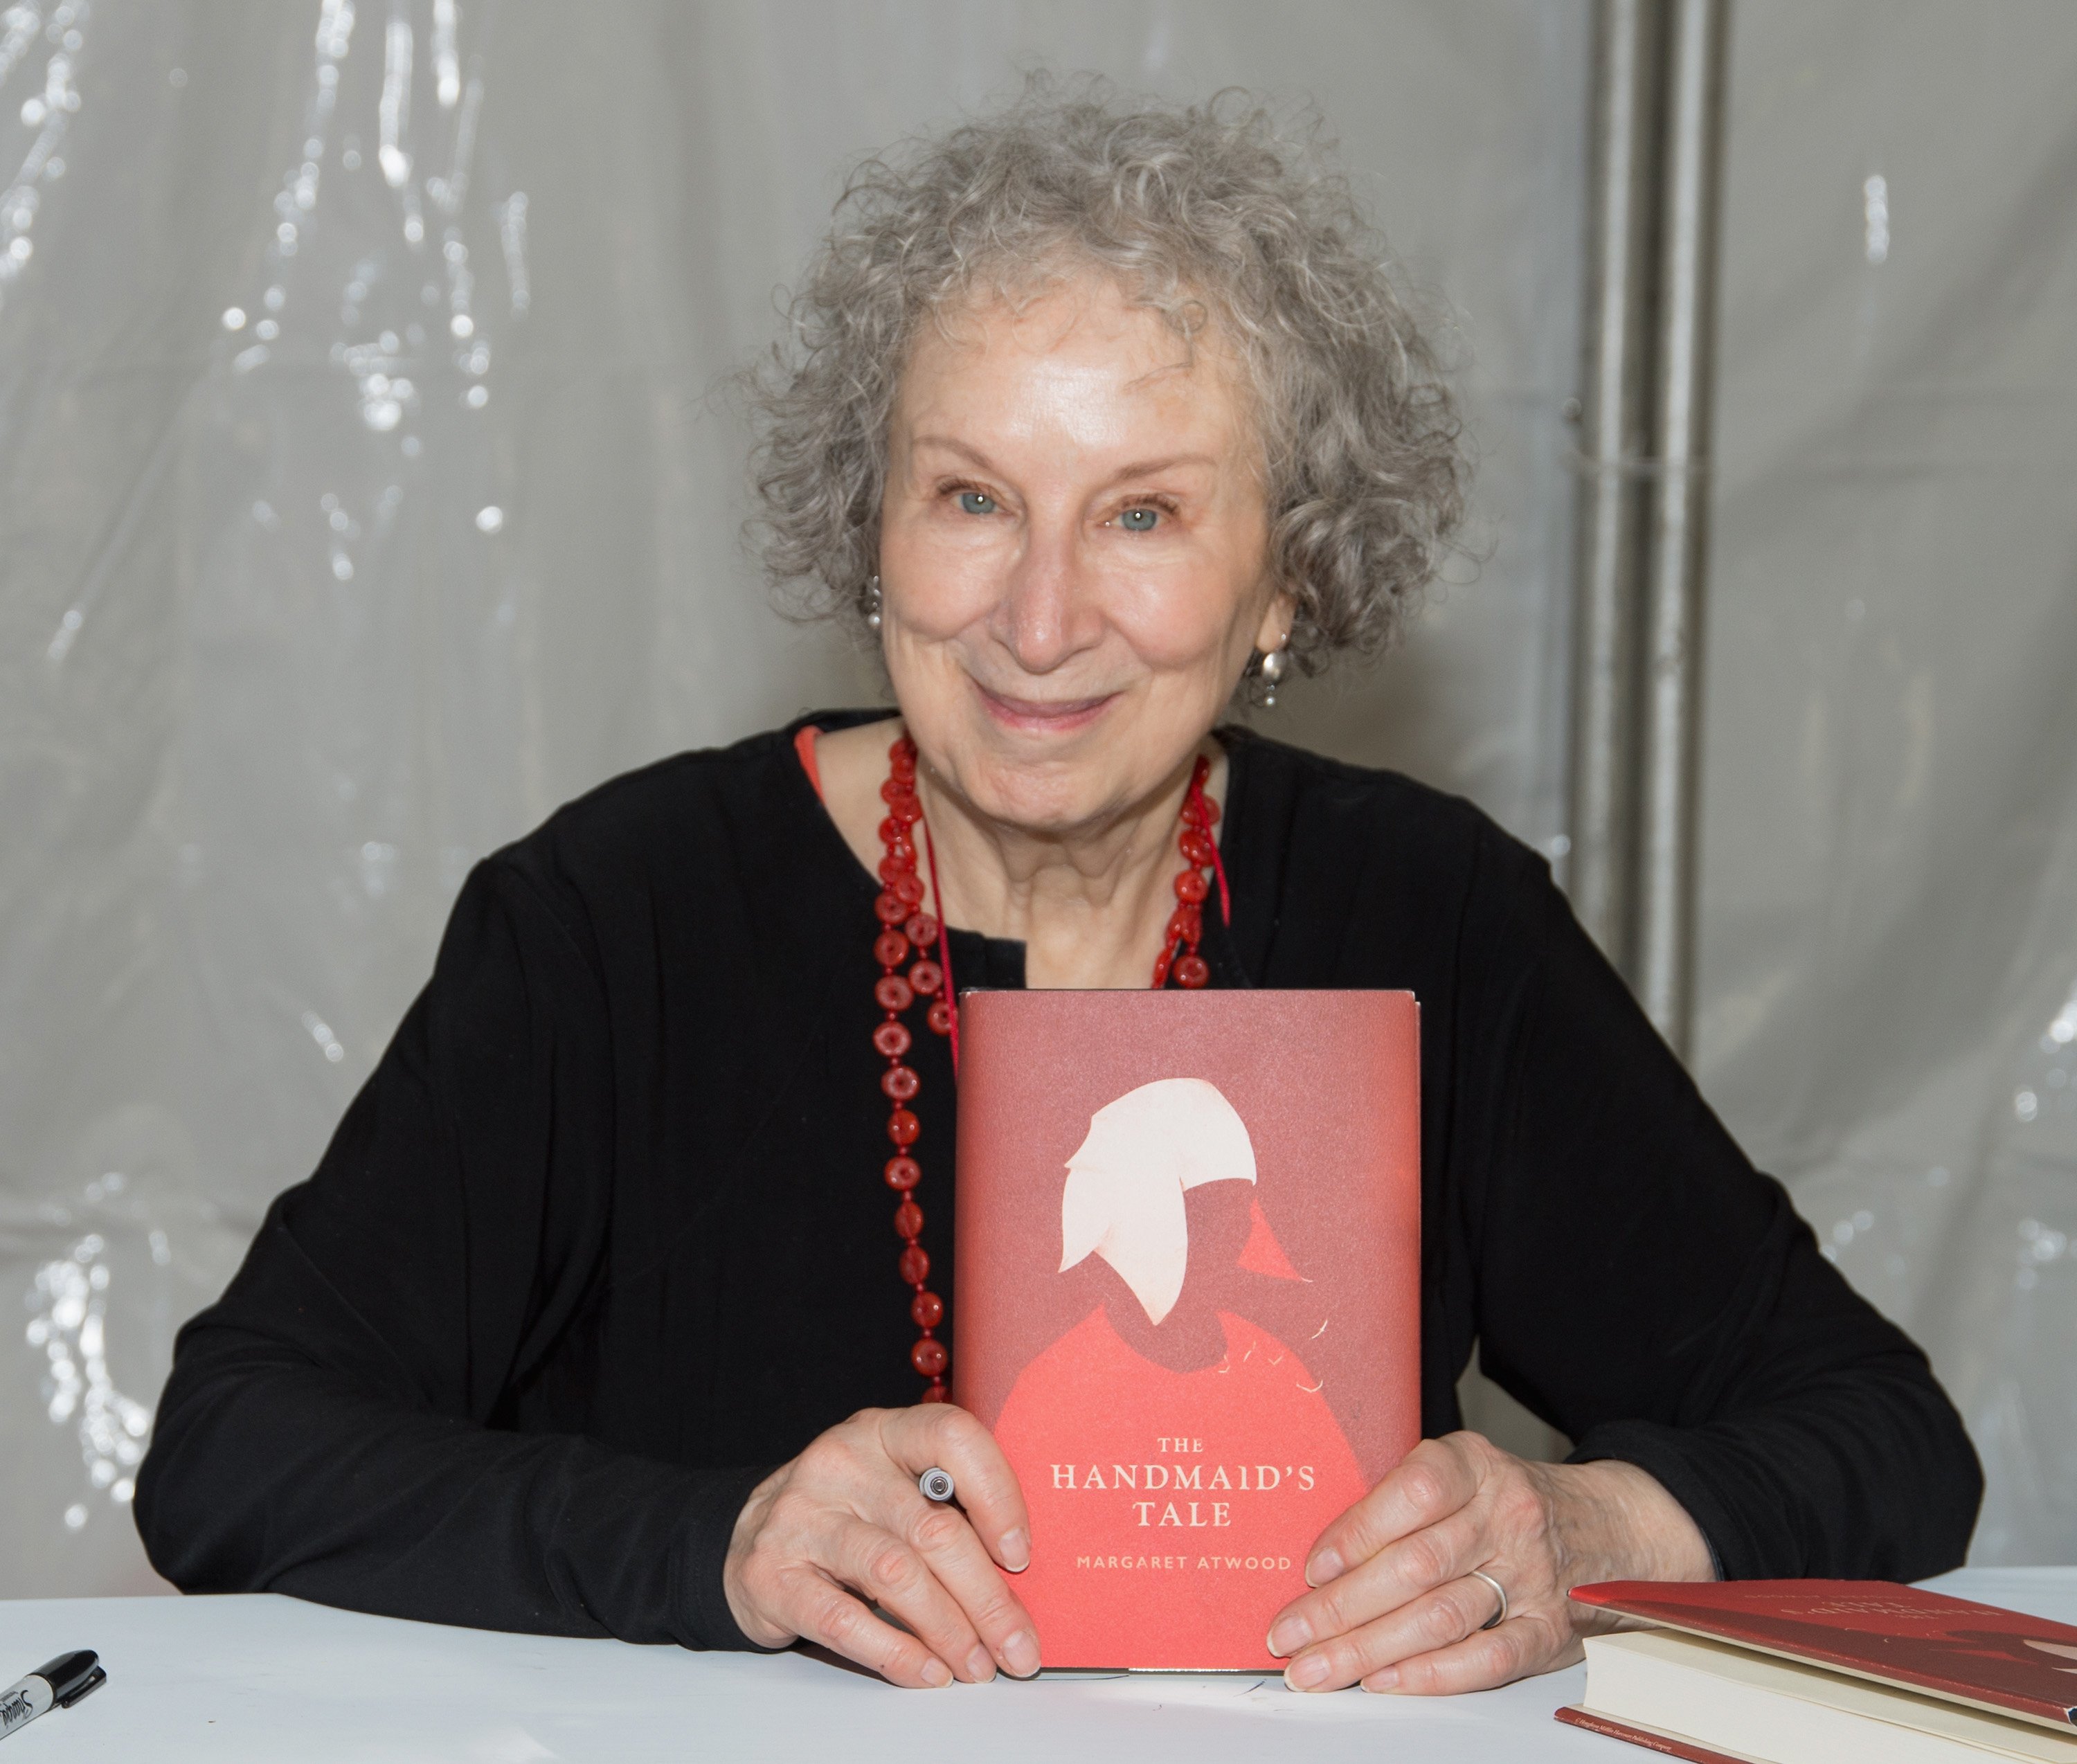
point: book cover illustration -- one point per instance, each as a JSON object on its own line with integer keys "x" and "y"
{"x": 1189, "y": 1280}
{"x": 1980, "y": 1655}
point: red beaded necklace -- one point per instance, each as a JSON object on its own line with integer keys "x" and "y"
{"x": 905, "y": 928}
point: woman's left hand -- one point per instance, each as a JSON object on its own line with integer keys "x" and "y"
{"x": 1396, "y": 1607}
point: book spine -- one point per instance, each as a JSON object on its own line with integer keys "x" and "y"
{"x": 1671, "y": 1745}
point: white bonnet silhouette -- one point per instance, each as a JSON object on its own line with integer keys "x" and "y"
{"x": 1124, "y": 1197}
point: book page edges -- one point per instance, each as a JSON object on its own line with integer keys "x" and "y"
{"x": 1982, "y": 1733}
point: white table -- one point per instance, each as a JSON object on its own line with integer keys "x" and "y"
{"x": 268, "y": 1678}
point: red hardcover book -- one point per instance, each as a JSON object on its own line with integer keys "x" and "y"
{"x": 1870, "y": 1666}
{"x": 1188, "y": 1278}
{"x": 1670, "y": 1745}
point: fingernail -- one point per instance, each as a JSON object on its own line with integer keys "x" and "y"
{"x": 1386, "y": 1678}
{"x": 1303, "y": 1674}
{"x": 1325, "y": 1567}
{"x": 980, "y": 1665}
{"x": 1020, "y": 1653}
{"x": 936, "y": 1673}
{"x": 1288, "y": 1635}
{"x": 1015, "y": 1550}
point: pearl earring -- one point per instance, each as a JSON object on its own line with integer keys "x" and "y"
{"x": 1272, "y": 670}
{"x": 873, "y": 603}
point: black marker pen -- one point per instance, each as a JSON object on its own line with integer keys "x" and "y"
{"x": 56, "y": 1684}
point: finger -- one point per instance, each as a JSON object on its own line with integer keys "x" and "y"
{"x": 1436, "y": 1620}
{"x": 1395, "y": 1576}
{"x": 888, "y": 1571}
{"x": 817, "y": 1609}
{"x": 942, "y": 1434}
{"x": 1434, "y": 1480}
{"x": 1517, "y": 1648}
{"x": 942, "y": 1537}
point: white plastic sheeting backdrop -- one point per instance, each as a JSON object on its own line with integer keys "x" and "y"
{"x": 363, "y": 495}
{"x": 1889, "y": 849}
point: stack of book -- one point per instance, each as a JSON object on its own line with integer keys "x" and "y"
{"x": 1827, "y": 1672}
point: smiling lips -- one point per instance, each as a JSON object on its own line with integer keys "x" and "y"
{"x": 1036, "y": 717}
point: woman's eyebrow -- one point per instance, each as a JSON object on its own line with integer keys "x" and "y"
{"x": 951, "y": 446}
{"x": 1138, "y": 468}
{"x": 1146, "y": 469}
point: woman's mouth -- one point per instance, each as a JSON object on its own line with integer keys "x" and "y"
{"x": 1042, "y": 716}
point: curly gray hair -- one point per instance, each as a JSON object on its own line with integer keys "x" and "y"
{"x": 1208, "y": 214}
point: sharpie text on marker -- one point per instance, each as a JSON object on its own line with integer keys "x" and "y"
{"x": 56, "y": 1684}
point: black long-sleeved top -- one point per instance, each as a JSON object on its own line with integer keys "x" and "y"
{"x": 604, "y": 1238}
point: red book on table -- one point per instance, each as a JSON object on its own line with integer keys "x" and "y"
{"x": 1834, "y": 1670}
{"x": 1188, "y": 1279}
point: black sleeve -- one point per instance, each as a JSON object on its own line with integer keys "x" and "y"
{"x": 330, "y": 1428}
{"x": 1643, "y": 1288}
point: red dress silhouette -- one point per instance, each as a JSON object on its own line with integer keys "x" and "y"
{"x": 1186, "y": 1501}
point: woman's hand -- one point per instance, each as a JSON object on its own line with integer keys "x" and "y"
{"x": 1396, "y": 1607}
{"x": 843, "y": 1525}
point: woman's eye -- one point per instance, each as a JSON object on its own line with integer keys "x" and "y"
{"x": 976, "y": 502}
{"x": 1140, "y": 520}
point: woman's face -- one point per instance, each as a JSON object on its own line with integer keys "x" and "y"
{"x": 1072, "y": 553}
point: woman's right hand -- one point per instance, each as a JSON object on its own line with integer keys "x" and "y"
{"x": 844, "y": 1525}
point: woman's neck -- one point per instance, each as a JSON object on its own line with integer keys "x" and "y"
{"x": 1090, "y": 907}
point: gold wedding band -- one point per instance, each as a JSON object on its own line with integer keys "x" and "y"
{"x": 1499, "y": 1617}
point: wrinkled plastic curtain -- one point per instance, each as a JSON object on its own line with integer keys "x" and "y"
{"x": 1888, "y": 964}
{"x": 365, "y": 492}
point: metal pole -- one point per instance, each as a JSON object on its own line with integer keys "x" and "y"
{"x": 1614, "y": 438}
{"x": 1663, "y": 952}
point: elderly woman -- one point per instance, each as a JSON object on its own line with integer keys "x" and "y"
{"x": 591, "y": 1321}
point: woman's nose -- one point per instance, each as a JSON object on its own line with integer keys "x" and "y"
{"x": 1048, "y": 613}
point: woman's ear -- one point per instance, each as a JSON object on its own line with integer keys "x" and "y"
{"x": 1277, "y": 617}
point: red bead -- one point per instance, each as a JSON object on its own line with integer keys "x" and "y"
{"x": 893, "y": 992}
{"x": 892, "y": 1039}
{"x": 921, "y": 930}
{"x": 891, "y": 908}
{"x": 890, "y": 949}
{"x": 903, "y": 1174}
{"x": 907, "y": 811}
{"x": 927, "y": 977}
{"x": 902, "y": 1128}
{"x": 927, "y": 1310}
{"x": 893, "y": 835}
{"x": 1192, "y": 972}
{"x": 892, "y": 867}
{"x": 902, "y": 761}
{"x": 909, "y": 890}
{"x": 1161, "y": 971}
{"x": 1211, "y": 812}
{"x": 900, "y": 1082}
{"x": 901, "y": 851}
{"x": 897, "y": 789}
{"x": 1190, "y": 886}
{"x": 940, "y": 1018}
{"x": 1186, "y": 925}
{"x": 908, "y": 1220}
{"x": 915, "y": 1265}
{"x": 1198, "y": 848}
{"x": 928, "y": 1357}
{"x": 937, "y": 1393}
